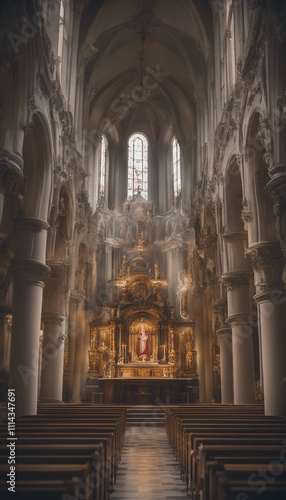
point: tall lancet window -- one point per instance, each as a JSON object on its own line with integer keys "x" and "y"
{"x": 103, "y": 155}
{"x": 176, "y": 167}
{"x": 137, "y": 166}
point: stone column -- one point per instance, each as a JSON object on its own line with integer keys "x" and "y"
{"x": 54, "y": 308}
{"x": 226, "y": 364}
{"x": 268, "y": 263}
{"x": 75, "y": 345}
{"x": 277, "y": 187}
{"x": 52, "y": 357}
{"x": 237, "y": 285}
{"x": 29, "y": 272}
{"x": 5, "y": 339}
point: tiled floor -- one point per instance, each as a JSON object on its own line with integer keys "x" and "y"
{"x": 148, "y": 470}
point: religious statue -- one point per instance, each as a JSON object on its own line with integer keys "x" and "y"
{"x": 156, "y": 271}
{"x": 142, "y": 343}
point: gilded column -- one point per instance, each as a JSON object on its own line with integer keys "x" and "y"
{"x": 112, "y": 352}
{"x": 171, "y": 350}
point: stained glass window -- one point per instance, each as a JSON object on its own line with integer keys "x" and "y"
{"x": 137, "y": 166}
{"x": 176, "y": 167}
{"x": 103, "y": 164}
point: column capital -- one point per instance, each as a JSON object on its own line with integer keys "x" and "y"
{"x": 76, "y": 298}
{"x": 30, "y": 224}
{"x": 224, "y": 332}
{"x": 277, "y": 183}
{"x": 234, "y": 235}
{"x": 53, "y": 318}
{"x": 234, "y": 279}
{"x": 11, "y": 165}
{"x": 269, "y": 291}
{"x": 238, "y": 320}
{"x": 220, "y": 305}
{"x": 29, "y": 271}
{"x": 265, "y": 254}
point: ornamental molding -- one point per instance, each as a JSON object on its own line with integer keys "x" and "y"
{"x": 266, "y": 285}
{"x": 263, "y": 136}
{"x": 30, "y": 224}
{"x": 62, "y": 338}
{"x": 29, "y": 271}
{"x": 246, "y": 215}
{"x": 220, "y": 305}
{"x": 235, "y": 279}
{"x": 281, "y": 105}
{"x": 11, "y": 166}
{"x": 53, "y": 318}
{"x": 234, "y": 235}
{"x": 224, "y": 333}
{"x": 263, "y": 255}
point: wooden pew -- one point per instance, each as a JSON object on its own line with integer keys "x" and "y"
{"x": 190, "y": 431}
{"x": 54, "y": 472}
{"x": 44, "y": 490}
{"x": 50, "y": 453}
{"x": 242, "y": 481}
{"x": 93, "y": 439}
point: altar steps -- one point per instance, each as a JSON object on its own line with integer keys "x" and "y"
{"x": 146, "y": 415}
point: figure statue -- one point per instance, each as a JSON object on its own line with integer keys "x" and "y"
{"x": 142, "y": 343}
{"x": 156, "y": 271}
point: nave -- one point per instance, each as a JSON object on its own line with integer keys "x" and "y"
{"x": 148, "y": 469}
{"x": 91, "y": 452}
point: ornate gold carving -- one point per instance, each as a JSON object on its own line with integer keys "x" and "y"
{"x": 144, "y": 372}
{"x": 128, "y": 373}
{"x": 216, "y": 359}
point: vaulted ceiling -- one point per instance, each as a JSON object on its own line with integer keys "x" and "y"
{"x": 178, "y": 53}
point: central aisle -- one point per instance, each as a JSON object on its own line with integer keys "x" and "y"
{"x": 148, "y": 470}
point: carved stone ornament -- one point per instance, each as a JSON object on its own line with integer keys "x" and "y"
{"x": 266, "y": 285}
{"x": 233, "y": 280}
{"x": 263, "y": 136}
{"x": 246, "y": 215}
{"x": 11, "y": 167}
{"x": 62, "y": 337}
{"x": 265, "y": 255}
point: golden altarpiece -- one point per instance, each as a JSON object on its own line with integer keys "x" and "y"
{"x": 139, "y": 351}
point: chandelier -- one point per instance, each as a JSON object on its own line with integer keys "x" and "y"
{"x": 144, "y": 24}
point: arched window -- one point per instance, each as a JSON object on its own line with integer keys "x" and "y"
{"x": 137, "y": 166}
{"x": 103, "y": 154}
{"x": 176, "y": 167}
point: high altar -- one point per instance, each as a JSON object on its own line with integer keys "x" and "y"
{"x": 139, "y": 352}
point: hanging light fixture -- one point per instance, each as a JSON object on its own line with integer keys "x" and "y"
{"x": 143, "y": 23}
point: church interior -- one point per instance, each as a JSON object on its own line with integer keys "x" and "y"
{"x": 143, "y": 237}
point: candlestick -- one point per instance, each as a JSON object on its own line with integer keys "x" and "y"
{"x": 164, "y": 347}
